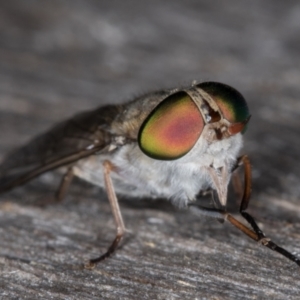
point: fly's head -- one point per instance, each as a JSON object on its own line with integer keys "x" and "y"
{"x": 209, "y": 110}
{"x": 202, "y": 124}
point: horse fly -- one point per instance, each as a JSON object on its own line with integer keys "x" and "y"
{"x": 170, "y": 144}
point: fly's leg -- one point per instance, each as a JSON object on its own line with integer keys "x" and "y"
{"x": 261, "y": 239}
{"x": 247, "y": 181}
{"x": 113, "y": 200}
{"x": 244, "y": 160}
{"x": 255, "y": 233}
{"x": 237, "y": 185}
{"x": 220, "y": 214}
{"x": 61, "y": 191}
{"x": 260, "y": 236}
{"x": 64, "y": 185}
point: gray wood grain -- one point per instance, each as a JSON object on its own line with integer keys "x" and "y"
{"x": 61, "y": 57}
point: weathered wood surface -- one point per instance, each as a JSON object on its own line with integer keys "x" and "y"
{"x": 60, "y": 57}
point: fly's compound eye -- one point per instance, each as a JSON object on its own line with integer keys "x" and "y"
{"x": 172, "y": 128}
{"x": 231, "y": 103}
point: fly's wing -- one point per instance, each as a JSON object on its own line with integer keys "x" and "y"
{"x": 69, "y": 141}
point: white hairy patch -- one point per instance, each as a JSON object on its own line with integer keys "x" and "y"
{"x": 180, "y": 180}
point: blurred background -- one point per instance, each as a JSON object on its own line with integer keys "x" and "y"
{"x": 61, "y": 57}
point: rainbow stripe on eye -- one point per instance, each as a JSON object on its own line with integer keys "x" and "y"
{"x": 231, "y": 103}
{"x": 172, "y": 129}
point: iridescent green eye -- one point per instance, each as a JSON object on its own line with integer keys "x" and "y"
{"x": 231, "y": 103}
{"x": 172, "y": 128}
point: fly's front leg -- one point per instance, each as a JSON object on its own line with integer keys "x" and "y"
{"x": 259, "y": 235}
{"x": 244, "y": 160}
{"x": 113, "y": 200}
{"x": 237, "y": 185}
{"x": 220, "y": 214}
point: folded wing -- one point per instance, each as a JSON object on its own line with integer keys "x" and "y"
{"x": 64, "y": 144}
